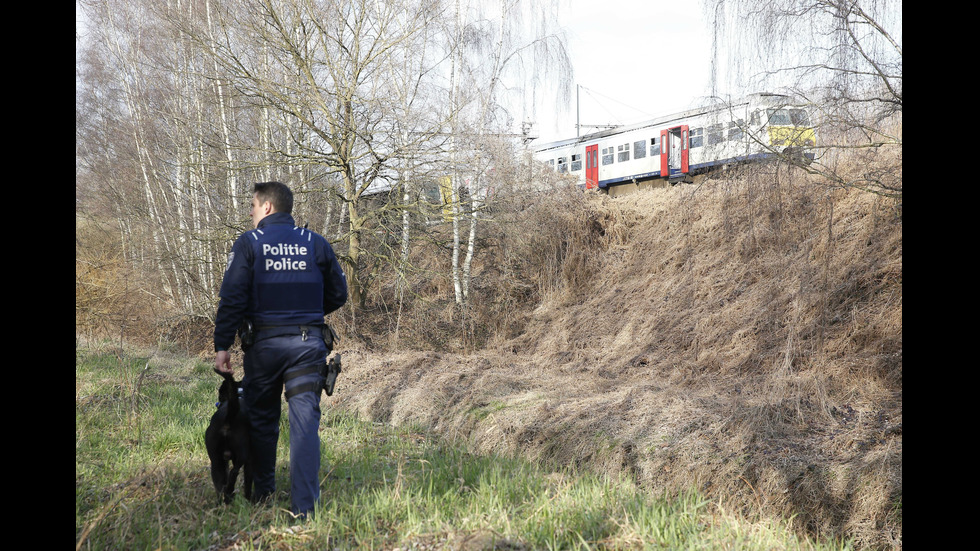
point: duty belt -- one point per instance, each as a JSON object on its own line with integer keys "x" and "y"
{"x": 248, "y": 334}
{"x": 306, "y": 331}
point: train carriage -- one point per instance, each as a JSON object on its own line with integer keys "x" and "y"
{"x": 676, "y": 147}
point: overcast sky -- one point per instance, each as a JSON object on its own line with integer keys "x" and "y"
{"x": 634, "y": 59}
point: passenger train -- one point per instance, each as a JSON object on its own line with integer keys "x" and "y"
{"x": 676, "y": 147}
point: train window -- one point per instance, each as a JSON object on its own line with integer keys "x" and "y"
{"x": 778, "y": 117}
{"x": 430, "y": 193}
{"x": 623, "y": 153}
{"x": 639, "y": 149}
{"x": 576, "y": 162}
{"x": 799, "y": 117}
{"x": 715, "y": 134}
{"x": 735, "y": 130}
{"x": 788, "y": 117}
{"x": 562, "y": 164}
{"x": 697, "y": 137}
{"x": 654, "y": 146}
{"x": 754, "y": 119}
{"x": 607, "y": 155}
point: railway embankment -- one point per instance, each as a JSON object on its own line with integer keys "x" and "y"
{"x": 742, "y": 337}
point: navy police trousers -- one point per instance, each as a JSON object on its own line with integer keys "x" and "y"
{"x": 266, "y": 364}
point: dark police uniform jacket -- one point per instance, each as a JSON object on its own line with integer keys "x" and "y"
{"x": 278, "y": 274}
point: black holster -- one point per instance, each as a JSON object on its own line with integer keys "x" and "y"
{"x": 332, "y": 370}
{"x": 246, "y": 334}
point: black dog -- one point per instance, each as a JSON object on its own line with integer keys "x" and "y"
{"x": 227, "y": 440}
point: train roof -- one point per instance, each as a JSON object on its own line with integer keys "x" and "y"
{"x": 760, "y": 97}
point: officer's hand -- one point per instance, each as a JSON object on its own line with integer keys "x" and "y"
{"x": 222, "y": 362}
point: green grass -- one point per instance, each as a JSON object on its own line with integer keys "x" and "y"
{"x": 142, "y": 482}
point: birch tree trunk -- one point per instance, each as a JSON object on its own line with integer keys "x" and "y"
{"x": 457, "y": 61}
{"x": 513, "y": 18}
{"x": 155, "y": 203}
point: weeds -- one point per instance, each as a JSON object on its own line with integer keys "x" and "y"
{"x": 383, "y": 486}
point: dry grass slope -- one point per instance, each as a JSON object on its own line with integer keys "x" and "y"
{"x": 742, "y": 336}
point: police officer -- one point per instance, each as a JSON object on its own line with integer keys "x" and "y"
{"x": 284, "y": 280}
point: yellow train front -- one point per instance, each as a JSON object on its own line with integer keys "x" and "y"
{"x": 791, "y": 133}
{"x": 678, "y": 146}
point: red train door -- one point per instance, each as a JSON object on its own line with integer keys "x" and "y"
{"x": 591, "y": 166}
{"x": 685, "y": 149}
{"x": 674, "y": 151}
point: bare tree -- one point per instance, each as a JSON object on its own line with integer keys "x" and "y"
{"x": 321, "y": 66}
{"x": 182, "y": 104}
{"x": 159, "y": 148}
{"x": 842, "y": 58}
{"x": 132, "y": 97}
{"x": 498, "y": 47}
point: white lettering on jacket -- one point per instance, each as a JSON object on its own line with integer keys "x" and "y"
{"x": 283, "y": 251}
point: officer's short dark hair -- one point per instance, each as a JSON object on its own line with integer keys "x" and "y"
{"x": 276, "y": 193}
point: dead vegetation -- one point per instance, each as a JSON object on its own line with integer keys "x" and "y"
{"x": 742, "y": 336}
